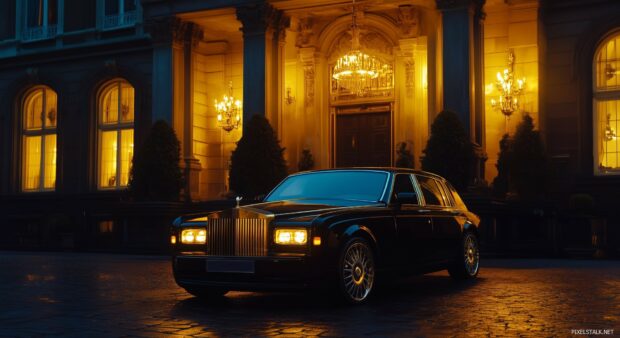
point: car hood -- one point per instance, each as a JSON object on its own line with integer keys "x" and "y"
{"x": 293, "y": 210}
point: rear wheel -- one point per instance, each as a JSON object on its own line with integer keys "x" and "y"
{"x": 356, "y": 271}
{"x": 206, "y": 292}
{"x": 468, "y": 263}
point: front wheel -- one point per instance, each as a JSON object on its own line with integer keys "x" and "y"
{"x": 356, "y": 271}
{"x": 468, "y": 263}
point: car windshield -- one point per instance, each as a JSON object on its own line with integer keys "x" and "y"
{"x": 341, "y": 184}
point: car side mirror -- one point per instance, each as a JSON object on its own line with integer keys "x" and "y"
{"x": 407, "y": 198}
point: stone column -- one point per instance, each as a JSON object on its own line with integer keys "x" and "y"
{"x": 459, "y": 73}
{"x": 463, "y": 89}
{"x": 165, "y": 36}
{"x": 174, "y": 41}
{"x": 192, "y": 35}
{"x": 260, "y": 56}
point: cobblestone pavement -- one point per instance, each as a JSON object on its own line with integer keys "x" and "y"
{"x": 91, "y": 295}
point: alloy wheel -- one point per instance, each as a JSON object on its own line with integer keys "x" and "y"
{"x": 471, "y": 254}
{"x": 358, "y": 271}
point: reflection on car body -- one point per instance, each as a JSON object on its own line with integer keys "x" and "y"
{"x": 337, "y": 228}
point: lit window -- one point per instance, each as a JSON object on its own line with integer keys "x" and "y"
{"x": 606, "y": 103}
{"x": 41, "y": 20}
{"x": 116, "y": 116}
{"x": 119, "y": 13}
{"x": 39, "y": 115}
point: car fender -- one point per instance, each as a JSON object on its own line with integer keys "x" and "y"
{"x": 344, "y": 234}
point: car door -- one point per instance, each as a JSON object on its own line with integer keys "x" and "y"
{"x": 446, "y": 228}
{"x": 414, "y": 224}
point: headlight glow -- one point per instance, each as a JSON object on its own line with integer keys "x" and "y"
{"x": 291, "y": 236}
{"x": 193, "y": 236}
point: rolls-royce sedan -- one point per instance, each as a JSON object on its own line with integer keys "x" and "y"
{"x": 338, "y": 228}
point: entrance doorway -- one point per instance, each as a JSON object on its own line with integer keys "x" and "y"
{"x": 364, "y": 139}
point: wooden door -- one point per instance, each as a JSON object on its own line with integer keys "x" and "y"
{"x": 363, "y": 140}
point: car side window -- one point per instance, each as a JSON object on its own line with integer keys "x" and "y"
{"x": 402, "y": 183}
{"x": 457, "y": 198}
{"x": 445, "y": 193}
{"x": 431, "y": 191}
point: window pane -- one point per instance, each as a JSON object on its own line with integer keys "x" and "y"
{"x": 109, "y": 105}
{"x": 607, "y": 141}
{"x": 49, "y": 169}
{"x": 50, "y": 108}
{"x": 31, "y": 162}
{"x": 107, "y": 160}
{"x": 607, "y": 65}
{"x": 127, "y": 102}
{"x": 111, "y": 7}
{"x": 34, "y": 109}
{"x": 402, "y": 183}
{"x": 126, "y": 155}
{"x": 52, "y": 12}
{"x": 35, "y": 13}
{"x": 431, "y": 191}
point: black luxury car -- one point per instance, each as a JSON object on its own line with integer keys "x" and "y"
{"x": 338, "y": 228}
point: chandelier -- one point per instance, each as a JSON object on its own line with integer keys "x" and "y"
{"x": 228, "y": 111}
{"x": 355, "y": 70}
{"x": 508, "y": 89}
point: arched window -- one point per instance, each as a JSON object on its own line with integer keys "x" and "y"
{"x": 115, "y": 125}
{"x": 606, "y": 102}
{"x": 39, "y": 115}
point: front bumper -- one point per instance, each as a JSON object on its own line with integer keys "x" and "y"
{"x": 247, "y": 273}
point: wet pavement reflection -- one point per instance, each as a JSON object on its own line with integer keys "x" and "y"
{"x": 90, "y": 295}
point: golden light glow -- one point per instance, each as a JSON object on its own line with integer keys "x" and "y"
{"x": 193, "y": 236}
{"x": 508, "y": 90}
{"x": 316, "y": 241}
{"x": 607, "y": 107}
{"x": 116, "y": 117}
{"x": 39, "y": 141}
{"x": 229, "y": 111}
{"x": 173, "y": 239}
{"x": 291, "y": 236}
{"x": 355, "y": 70}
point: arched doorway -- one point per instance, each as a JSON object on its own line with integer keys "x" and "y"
{"x": 363, "y": 119}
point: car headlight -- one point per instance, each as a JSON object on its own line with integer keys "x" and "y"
{"x": 291, "y": 236}
{"x": 193, "y": 236}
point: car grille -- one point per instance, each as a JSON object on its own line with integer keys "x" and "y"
{"x": 237, "y": 237}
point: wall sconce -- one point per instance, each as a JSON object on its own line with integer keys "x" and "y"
{"x": 508, "y": 89}
{"x": 228, "y": 111}
{"x": 289, "y": 98}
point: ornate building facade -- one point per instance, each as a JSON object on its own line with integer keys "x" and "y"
{"x": 82, "y": 81}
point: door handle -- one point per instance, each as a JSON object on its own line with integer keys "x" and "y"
{"x": 424, "y": 211}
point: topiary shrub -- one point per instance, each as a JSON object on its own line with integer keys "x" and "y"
{"x": 501, "y": 183}
{"x": 307, "y": 160}
{"x": 155, "y": 172}
{"x": 529, "y": 167}
{"x": 257, "y": 164}
{"x": 449, "y": 152}
{"x": 404, "y": 157}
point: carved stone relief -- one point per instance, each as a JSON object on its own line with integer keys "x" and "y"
{"x": 408, "y": 21}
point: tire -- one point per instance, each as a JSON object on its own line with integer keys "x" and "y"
{"x": 356, "y": 271}
{"x": 206, "y": 292}
{"x": 468, "y": 262}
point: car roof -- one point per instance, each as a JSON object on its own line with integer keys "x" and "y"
{"x": 394, "y": 170}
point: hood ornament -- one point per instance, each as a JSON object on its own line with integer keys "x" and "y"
{"x": 238, "y": 199}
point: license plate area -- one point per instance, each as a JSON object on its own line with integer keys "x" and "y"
{"x": 230, "y": 265}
